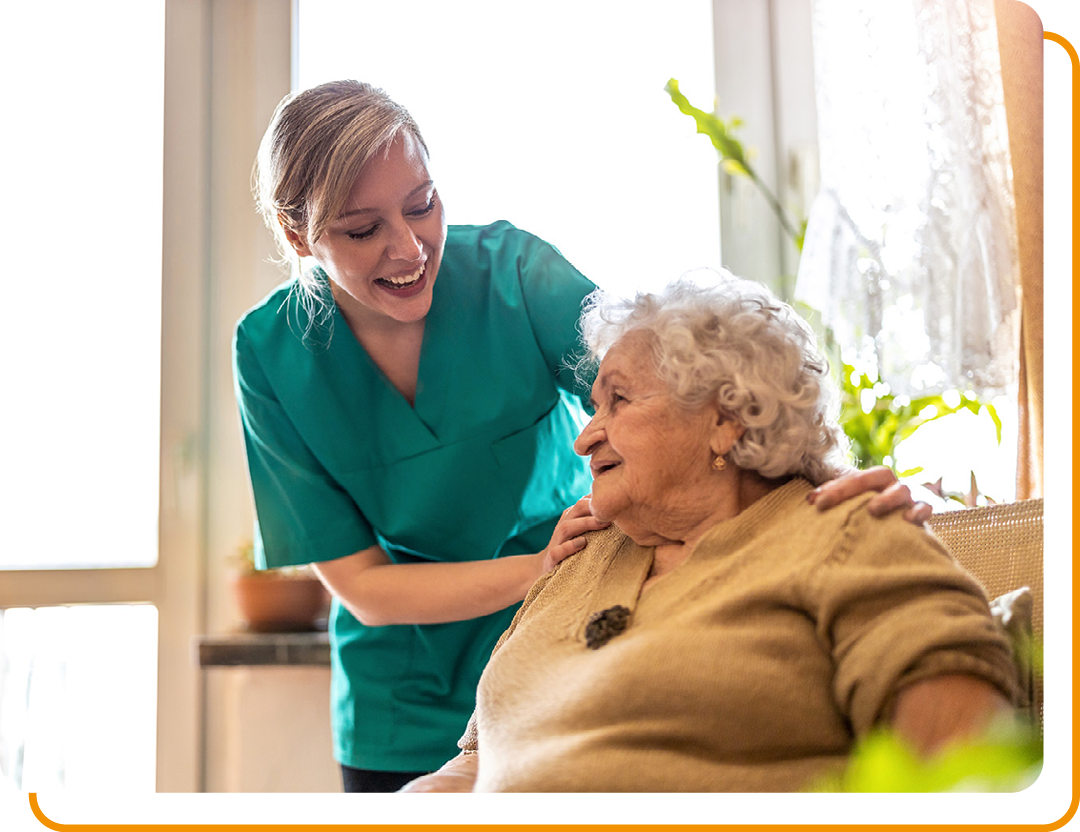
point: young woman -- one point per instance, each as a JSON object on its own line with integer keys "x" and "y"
{"x": 409, "y": 414}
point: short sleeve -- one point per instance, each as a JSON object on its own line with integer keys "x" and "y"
{"x": 893, "y": 607}
{"x": 554, "y": 292}
{"x": 302, "y": 515}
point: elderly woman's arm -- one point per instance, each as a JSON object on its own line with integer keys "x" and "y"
{"x": 458, "y": 775}
{"x": 892, "y": 494}
{"x": 933, "y": 712}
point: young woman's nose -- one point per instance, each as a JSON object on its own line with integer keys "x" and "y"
{"x": 404, "y": 244}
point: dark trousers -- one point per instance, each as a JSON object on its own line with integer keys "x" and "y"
{"x": 365, "y": 780}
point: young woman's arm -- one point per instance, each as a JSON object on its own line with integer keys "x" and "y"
{"x": 379, "y": 592}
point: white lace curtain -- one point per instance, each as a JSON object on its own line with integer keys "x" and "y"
{"x": 910, "y": 253}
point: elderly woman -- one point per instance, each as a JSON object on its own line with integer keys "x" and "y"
{"x": 722, "y": 634}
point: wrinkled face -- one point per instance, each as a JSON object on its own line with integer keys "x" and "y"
{"x": 383, "y": 251}
{"x": 650, "y": 458}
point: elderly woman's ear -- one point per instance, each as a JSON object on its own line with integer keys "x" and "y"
{"x": 725, "y": 433}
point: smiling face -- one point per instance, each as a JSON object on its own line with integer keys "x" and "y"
{"x": 383, "y": 251}
{"x": 651, "y": 459}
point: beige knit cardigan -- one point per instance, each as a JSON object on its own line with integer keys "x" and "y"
{"x": 750, "y": 667}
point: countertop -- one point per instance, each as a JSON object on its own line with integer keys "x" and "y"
{"x": 263, "y": 649}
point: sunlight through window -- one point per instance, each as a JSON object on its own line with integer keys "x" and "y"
{"x": 81, "y": 342}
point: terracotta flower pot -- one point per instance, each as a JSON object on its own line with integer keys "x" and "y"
{"x": 280, "y": 602}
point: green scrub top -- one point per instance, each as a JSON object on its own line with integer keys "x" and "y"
{"x": 479, "y": 467}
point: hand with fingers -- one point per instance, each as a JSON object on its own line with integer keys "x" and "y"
{"x": 892, "y": 494}
{"x": 569, "y": 535}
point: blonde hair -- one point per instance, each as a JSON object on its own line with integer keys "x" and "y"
{"x": 733, "y": 342}
{"x": 313, "y": 150}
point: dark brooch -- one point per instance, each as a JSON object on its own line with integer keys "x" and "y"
{"x": 605, "y": 625}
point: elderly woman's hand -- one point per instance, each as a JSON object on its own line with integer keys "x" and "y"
{"x": 457, "y": 775}
{"x": 935, "y": 712}
{"x": 893, "y": 494}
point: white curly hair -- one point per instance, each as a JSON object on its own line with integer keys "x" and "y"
{"x": 731, "y": 340}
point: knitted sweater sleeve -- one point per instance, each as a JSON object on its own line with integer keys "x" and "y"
{"x": 894, "y": 607}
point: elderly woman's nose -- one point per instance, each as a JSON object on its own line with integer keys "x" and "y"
{"x": 588, "y": 439}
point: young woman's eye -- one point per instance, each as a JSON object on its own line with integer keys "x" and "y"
{"x": 425, "y": 209}
{"x": 362, "y": 235}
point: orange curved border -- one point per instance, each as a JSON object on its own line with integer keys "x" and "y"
{"x": 1061, "y": 81}
{"x": 45, "y": 821}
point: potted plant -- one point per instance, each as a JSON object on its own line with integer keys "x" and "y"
{"x": 287, "y": 600}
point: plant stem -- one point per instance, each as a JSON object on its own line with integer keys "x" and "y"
{"x": 774, "y": 203}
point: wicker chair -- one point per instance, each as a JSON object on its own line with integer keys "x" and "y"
{"x": 1002, "y": 546}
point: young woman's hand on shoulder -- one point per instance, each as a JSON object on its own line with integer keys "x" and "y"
{"x": 569, "y": 535}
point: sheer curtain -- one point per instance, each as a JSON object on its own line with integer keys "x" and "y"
{"x": 911, "y": 247}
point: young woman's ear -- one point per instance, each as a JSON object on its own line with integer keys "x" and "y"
{"x": 297, "y": 240}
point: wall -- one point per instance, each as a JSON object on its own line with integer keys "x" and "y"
{"x": 275, "y": 734}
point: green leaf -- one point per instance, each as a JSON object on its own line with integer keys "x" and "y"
{"x": 992, "y": 411}
{"x": 735, "y": 168}
{"x": 712, "y": 126}
{"x": 1008, "y": 757}
{"x": 875, "y": 435}
{"x": 800, "y": 238}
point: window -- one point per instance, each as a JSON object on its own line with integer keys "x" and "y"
{"x": 77, "y": 693}
{"x": 81, "y": 353}
{"x": 911, "y": 250}
{"x": 80, "y": 342}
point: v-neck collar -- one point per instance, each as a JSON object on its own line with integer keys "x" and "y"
{"x": 622, "y": 582}
{"x": 420, "y": 414}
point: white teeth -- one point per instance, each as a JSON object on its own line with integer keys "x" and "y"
{"x": 407, "y": 279}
